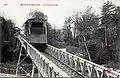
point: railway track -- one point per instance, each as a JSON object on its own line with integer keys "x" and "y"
{"x": 63, "y": 66}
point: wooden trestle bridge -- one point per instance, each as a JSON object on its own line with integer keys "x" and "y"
{"x": 57, "y": 63}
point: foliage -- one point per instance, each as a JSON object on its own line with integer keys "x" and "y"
{"x": 67, "y": 33}
{"x": 110, "y": 25}
{"x": 55, "y": 37}
{"x": 37, "y": 14}
{"x": 102, "y": 57}
{"x": 7, "y": 39}
{"x": 107, "y": 20}
{"x": 95, "y": 35}
{"x": 84, "y": 25}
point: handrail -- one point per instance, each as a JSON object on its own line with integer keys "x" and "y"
{"x": 85, "y": 64}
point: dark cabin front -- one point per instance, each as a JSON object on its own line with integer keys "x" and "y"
{"x": 36, "y": 31}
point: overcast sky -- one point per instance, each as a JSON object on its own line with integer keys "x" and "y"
{"x": 56, "y": 14}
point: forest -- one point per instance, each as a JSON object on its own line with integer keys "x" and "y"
{"x": 92, "y": 36}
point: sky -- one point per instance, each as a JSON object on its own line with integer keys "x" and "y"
{"x": 56, "y": 14}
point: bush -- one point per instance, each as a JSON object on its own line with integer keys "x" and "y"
{"x": 73, "y": 50}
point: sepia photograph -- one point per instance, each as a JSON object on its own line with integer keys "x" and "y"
{"x": 60, "y": 38}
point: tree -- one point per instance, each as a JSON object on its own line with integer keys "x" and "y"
{"x": 67, "y": 31}
{"x": 85, "y": 24}
{"x": 116, "y": 20}
{"x": 37, "y": 14}
{"x": 108, "y": 11}
{"x": 8, "y": 39}
{"x": 79, "y": 28}
{"x": 108, "y": 33}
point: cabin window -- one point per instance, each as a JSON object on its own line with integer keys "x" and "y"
{"x": 37, "y": 28}
{"x": 37, "y": 24}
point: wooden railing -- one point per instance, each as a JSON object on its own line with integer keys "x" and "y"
{"x": 85, "y": 67}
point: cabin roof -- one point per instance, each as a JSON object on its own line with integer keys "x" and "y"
{"x": 35, "y": 20}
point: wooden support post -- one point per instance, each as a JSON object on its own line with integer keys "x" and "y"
{"x": 0, "y": 42}
{"x": 63, "y": 57}
{"x": 33, "y": 68}
{"x": 18, "y": 60}
{"x": 104, "y": 75}
{"x": 39, "y": 74}
{"x": 93, "y": 73}
{"x": 84, "y": 68}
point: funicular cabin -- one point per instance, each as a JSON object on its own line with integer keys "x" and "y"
{"x": 36, "y": 31}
